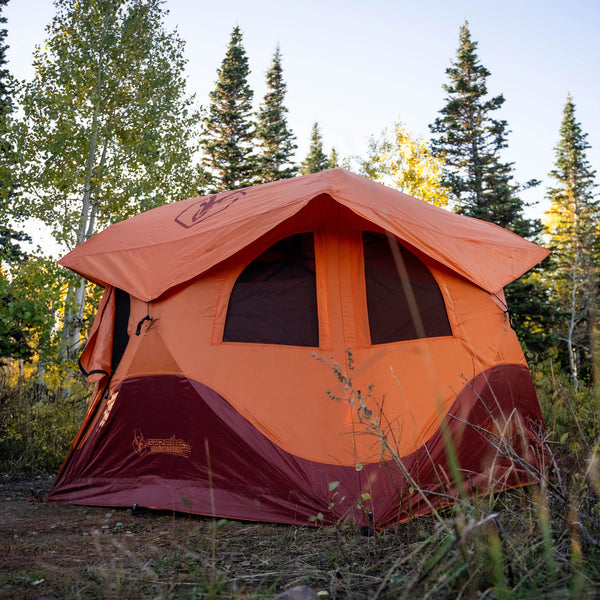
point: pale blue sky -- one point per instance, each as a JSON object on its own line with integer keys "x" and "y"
{"x": 355, "y": 67}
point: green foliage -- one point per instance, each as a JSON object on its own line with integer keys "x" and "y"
{"x": 30, "y": 299}
{"x": 36, "y": 429}
{"x": 275, "y": 139}
{"x": 17, "y": 317}
{"x": 470, "y": 140}
{"x": 572, "y": 417}
{"x": 533, "y": 312}
{"x": 334, "y": 159}
{"x": 405, "y": 163}
{"x": 572, "y": 226}
{"x": 228, "y": 134}
{"x": 9, "y": 250}
{"x": 316, "y": 159}
{"x": 107, "y": 129}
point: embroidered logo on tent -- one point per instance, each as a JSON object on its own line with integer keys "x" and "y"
{"x": 206, "y": 208}
{"x": 172, "y": 445}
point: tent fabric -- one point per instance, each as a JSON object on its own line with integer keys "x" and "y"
{"x": 164, "y": 247}
{"x": 238, "y": 367}
{"x": 248, "y": 471}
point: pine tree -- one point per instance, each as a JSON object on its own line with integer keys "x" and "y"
{"x": 316, "y": 160}
{"x": 275, "y": 139}
{"x": 228, "y": 137}
{"x": 471, "y": 140}
{"x": 481, "y": 184}
{"x": 572, "y": 225}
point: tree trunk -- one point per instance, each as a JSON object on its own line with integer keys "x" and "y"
{"x": 76, "y": 293}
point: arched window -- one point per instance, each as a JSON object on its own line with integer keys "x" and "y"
{"x": 390, "y": 318}
{"x": 274, "y": 300}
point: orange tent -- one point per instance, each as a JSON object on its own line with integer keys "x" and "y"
{"x": 296, "y": 350}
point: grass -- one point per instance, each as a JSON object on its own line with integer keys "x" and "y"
{"x": 541, "y": 541}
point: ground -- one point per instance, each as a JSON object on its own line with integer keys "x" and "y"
{"x": 56, "y": 551}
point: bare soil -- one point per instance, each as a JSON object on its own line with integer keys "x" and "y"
{"x": 56, "y": 551}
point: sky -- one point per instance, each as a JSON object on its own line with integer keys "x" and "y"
{"x": 357, "y": 67}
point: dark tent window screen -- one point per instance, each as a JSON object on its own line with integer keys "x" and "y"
{"x": 274, "y": 300}
{"x": 120, "y": 335}
{"x": 390, "y": 318}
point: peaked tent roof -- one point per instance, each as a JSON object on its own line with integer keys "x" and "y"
{"x": 154, "y": 251}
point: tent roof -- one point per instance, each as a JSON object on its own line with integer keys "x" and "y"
{"x": 154, "y": 251}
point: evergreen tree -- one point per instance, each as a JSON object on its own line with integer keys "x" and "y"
{"x": 471, "y": 140}
{"x": 316, "y": 160}
{"x": 572, "y": 224}
{"x": 481, "y": 184}
{"x": 228, "y": 137}
{"x": 275, "y": 140}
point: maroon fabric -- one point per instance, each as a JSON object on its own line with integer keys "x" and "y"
{"x": 151, "y": 450}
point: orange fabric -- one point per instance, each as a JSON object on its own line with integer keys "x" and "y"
{"x": 96, "y": 358}
{"x": 282, "y": 390}
{"x": 162, "y": 248}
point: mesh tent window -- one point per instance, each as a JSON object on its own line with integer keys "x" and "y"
{"x": 274, "y": 300}
{"x": 390, "y": 318}
{"x": 120, "y": 335}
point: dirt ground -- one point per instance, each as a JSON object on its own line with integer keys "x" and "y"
{"x": 55, "y": 551}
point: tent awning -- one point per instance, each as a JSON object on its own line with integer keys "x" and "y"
{"x": 169, "y": 245}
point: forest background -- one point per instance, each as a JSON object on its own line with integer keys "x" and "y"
{"x": 110, "y": 107}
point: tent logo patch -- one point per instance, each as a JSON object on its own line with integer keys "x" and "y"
{"x": 172, "y": 445}
{"x": 207, "y": 207}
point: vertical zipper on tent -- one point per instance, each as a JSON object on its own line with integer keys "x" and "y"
{"x": 506, "y": 312}
{"x": 138, "y": 329}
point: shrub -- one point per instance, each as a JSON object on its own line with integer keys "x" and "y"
{"x": 36, "y": 427}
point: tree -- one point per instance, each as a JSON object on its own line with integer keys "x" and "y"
{"x": 30, "y": 298}
{"x": 316, "y": 160}
{"x": 8, "y": 157}
{"x": 405, "y": 163}
{"x": 228, "y": 136}
{"x": 470, "y": 140}
{"x": 16, "y": 316}
{"x": 107, "y": 130}
{"x": 334, "y": 159}
{"x": 572, "y": 225}
{"x": 275, "y": 139}
{"x": 5, "y": 96}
